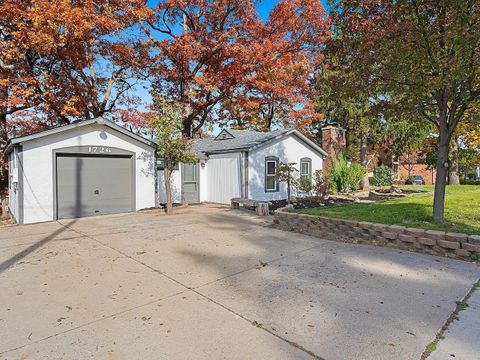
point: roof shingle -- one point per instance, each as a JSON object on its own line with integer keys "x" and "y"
{"x": 243, "y": 140}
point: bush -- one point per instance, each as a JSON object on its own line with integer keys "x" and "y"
{"x": 469, "y": 182}
{"x": 305, "y": 184}
{"x": 344, "y": 178}
{"x": 382, "y": 176}
{"x": 319, "y": 185}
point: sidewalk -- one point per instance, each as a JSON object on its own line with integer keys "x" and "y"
{"x": 462, "y": 338}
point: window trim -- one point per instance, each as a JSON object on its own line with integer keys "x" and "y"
{"x": 275, "y": 160}
{"x": 309, "y": 162}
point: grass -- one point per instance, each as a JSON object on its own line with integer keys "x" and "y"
{"x": 461, "y": 305}
{"x": 462, "y": 210}
{"x": 431, "y": 347}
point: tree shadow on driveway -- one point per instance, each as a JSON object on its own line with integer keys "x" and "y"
{"x": 32, "y": 248}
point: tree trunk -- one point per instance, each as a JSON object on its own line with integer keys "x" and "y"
{"x": 168, "y": 188}
{"x": 365, "y": 184}
{"x": 3, "y": 138}
{"x": 441, "y": 177}
{"x": 187, "y": 129}
{"x": 3, "y": 132}
{"x": 288, "y": 189}
{"x": 453, "y": 175}
{"x": 3, "y": 118}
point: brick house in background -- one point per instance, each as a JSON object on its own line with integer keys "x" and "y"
{"x": 334, "y": 141}
{"x": 412, "y": 164}
{"x": 407, "y": 165}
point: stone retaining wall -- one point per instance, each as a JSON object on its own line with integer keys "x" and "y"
{"x": 432, "y": 242}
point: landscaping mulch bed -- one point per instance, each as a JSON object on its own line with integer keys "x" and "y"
{"x": 377, "y": 194}
{"x": 310, "y": 202}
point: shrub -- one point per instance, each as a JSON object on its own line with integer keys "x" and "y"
{"x": 305, "y": 184}
{"x": 345, "y": 177}
{"x": 319, "y": 184}
{"x": 469, "y": 182}
{"x": 382, "y": 176}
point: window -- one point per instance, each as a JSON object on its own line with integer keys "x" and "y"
{"x": 306, "y": 168}
{"x": 161, "y": 165}
{"x": 271, "y": 184}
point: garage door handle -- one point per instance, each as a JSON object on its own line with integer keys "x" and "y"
{"x": 96, "y": 192}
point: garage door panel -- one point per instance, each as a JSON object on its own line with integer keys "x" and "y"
{"x": 96, "y": 185}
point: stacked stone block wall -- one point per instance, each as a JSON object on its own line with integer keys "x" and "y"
{"x": 432, "y": 242}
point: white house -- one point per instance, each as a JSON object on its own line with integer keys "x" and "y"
{"x": 96, "y": 167}
{"x": 242, "y": 164}
{"x": 85, "y": 168}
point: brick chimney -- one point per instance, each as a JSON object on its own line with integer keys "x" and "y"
{"x": 333, "y": 142}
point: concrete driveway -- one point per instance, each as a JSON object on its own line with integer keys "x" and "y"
{"x": 211, "y": 283}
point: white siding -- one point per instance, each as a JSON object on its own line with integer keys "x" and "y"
{"x": 38, "y": 167}
{"x": 176, "y": 182}
{"x": 223, "y": 180}
{"x": 13, "y": 183}
{"x": 288, "y": 149}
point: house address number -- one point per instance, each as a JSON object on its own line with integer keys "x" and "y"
{"x": 99, "y": 149}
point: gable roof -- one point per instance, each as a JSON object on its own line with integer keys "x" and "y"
{"x": 75, "y": 125}
{"x": 224, "y": 135}
{"x": 246, "y": 140}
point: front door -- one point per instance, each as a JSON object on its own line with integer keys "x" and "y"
{"x": 190, "y": 184}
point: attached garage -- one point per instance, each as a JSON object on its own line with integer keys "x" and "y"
{"x": 94, "y": 185}
{"x": 93, "y": 167}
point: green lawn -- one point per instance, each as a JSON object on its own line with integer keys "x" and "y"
{"x": 462, "y": 210}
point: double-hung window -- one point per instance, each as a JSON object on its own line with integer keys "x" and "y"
{"x": 306, "y": 168}
{"x": 271, "y": 183}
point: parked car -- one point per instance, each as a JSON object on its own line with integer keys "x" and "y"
{"x": 415, "y": 180}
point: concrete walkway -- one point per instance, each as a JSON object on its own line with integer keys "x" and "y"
{"x": 211, "y": 283}
{"x": 462, "y": 338}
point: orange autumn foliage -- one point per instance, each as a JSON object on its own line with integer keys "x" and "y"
{"x": 230, "y": 67}
{"x": 54, "y": 54}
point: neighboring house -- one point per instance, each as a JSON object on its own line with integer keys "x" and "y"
{"x": 242, "y": 164}
{"x": 96, "y": 167}
{"x": 85, "y": 168}
{"x": 404, "y": 170}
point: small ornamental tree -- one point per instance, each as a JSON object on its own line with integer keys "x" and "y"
{"x": 286, "y": 173}
{"x": 173, "y": 148}
{"x": 319, "y": 185}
